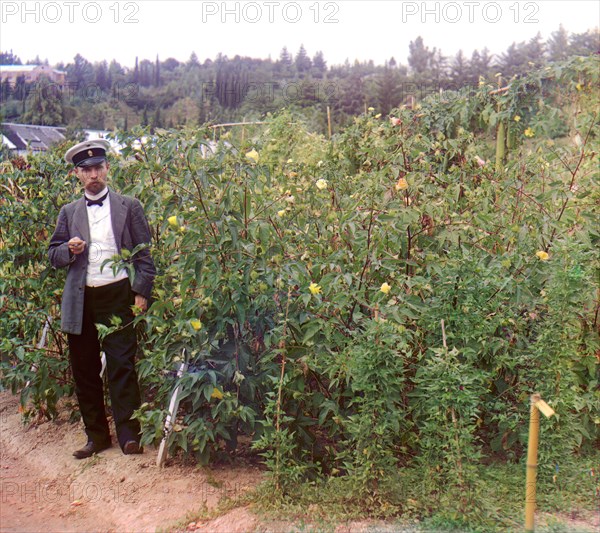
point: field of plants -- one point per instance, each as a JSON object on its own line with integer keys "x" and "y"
{"x": 368, "y": 313}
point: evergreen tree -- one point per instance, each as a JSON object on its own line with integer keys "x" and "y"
{"x": 20, "y": 90}
{"x": 80, "y": 73}
{"x": 479, "y": 66}
{"x": 319, "y": 66}
{"x": 156, "y": 120}
{"x": 146, "y": 73}
{"x": 136, "y": 72}
{"x": 558, "y": 45}
{"x": 157, "y": 73}
{"x": 419, "y": 58}
{"x": 438, "y": 67}
{"x": 101, "y": 75}
{"x": 193, "y": 62}
{"x": 284, "y": 64}
{"x": 388, "y": 90}
{"x": 5, "y": 90}
{"x": 302, "y": 61}
{"x": 513, "y": 61}
{"x": 44, "y": 105}
{"x": 459, "y": 71}
{"x": 584, "y": 44}
{"x": 116, "y": 73}
{"x": 8, "y": 58}
{"x": 534, "y": 51}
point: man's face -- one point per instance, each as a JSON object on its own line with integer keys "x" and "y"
{"x": 93, "y": 178}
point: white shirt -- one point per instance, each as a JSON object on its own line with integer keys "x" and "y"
{"x": 102, "y": 245}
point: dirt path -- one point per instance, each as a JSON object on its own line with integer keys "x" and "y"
{"x": 43, "y": 488}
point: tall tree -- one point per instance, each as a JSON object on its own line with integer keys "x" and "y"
{"x": 284, "y": 63}
{"x": 584, "y": 44}
{"x": 558, "y": 44}
{"x": 419, "y": 57}
{"x": 44, "y": 105}
{"x": 193, "y": 61}
{"x": 101, "y": 75}
{"x": 80, "y": 73}
{"x": 8, "y": 58}
{"x": 319, "y": 66}
{"x": 459, "y": 70}
{"x": 302, "y": 61}
{"x": 479, "y": 66}
{"x": 534, "y": 50}
{"x": 388, "y": 90}
{"x": 157, "y": 72}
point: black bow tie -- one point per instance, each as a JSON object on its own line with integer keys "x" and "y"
{"x": 96, "y": 202}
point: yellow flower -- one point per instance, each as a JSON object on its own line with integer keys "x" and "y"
{"x": 385, "y": 288}
{"x": 579, "y": 86}
{"x": 216, "y": 394}
{"x": 173, "y": 221}
{"x": 196, "y": 324}
{"x": 314, "y": 288}
{"x": 252, "y": 154}
{"x": 402, "y": 184}
{"x": 371, "y": 109}
{"x": 517, "y": 118}
{"x": 542, "y": 256}
{"x": 378, "y": 115}
{"x": 281, "y": 213}
{"x": 321, "y": 184}
{"x": 290, "y": 161}
{"x": 529, "y": 132}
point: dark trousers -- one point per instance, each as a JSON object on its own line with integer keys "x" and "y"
{"x": 100, "y": 304}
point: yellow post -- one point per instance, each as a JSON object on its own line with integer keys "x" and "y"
{"x": 532, "y": 453}
{"x": 537, "y": 405}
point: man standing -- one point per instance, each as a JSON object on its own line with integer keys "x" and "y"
{"x": 90, "y": 230}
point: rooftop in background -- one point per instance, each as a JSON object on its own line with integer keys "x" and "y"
{"x": 31, "y": 73}
{"x": 24, "y": 138}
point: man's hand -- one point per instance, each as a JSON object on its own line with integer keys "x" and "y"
{"x": 76, "y": 246}
{"x": 141, "y": 302}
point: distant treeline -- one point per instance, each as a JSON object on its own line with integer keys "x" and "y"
{"x": 169, "y": 93}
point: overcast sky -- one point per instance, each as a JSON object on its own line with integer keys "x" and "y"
{"x": 342, "y": 29}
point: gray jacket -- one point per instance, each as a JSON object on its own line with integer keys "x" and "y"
{"x": 130, "y": 228}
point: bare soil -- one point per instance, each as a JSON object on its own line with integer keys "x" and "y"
{"x": 44, "y": 489}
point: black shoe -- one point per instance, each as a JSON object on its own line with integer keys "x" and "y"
{"x": 90, "y": 449}
{"x": 131, "y": 447}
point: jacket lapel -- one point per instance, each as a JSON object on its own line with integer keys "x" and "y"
{"x": 80, "y": 220}
{"x": 118, "y": 216}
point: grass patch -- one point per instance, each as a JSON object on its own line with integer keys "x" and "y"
{"x": 494, "y": 501}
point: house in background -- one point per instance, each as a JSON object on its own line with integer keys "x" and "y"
{"x": 31, "y": 74}
{"x": 21, "y": 139}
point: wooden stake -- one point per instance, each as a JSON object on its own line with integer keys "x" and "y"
{"x": 537, "y": 405}
{"x": 329, "y": 121}
{"x": 532, "y": 453}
